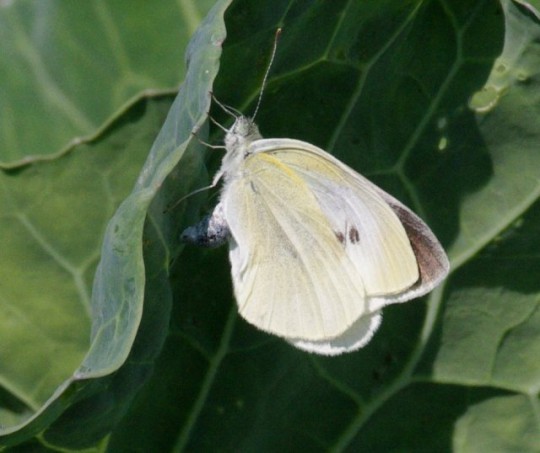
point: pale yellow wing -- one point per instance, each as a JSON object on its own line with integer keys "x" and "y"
{"x": 292, "y": 275}
{"x": 328, "y": 176}
{"x": 372, "y": 234}
{"x": 317, "y": 246}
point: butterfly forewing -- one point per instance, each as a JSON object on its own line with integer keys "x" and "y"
{"x": 371, "y": 233}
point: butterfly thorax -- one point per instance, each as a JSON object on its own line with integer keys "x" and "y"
{"x": 237, "y": 142}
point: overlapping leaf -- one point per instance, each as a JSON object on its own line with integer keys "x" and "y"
{"x": 55, "y": 214}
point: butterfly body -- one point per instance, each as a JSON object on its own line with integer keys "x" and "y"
{"x": 316, "y": 249}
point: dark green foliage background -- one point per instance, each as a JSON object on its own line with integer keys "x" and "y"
{"x": 436, "y": 101}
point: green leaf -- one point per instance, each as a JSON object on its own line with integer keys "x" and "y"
{"x": 500, "y": 424}
{"x": 435, "y": 101}
{"x": 83, "y": 402}
{"x": 67, "y": 68}
{"x": 119, "y": 282}
{"x": 53, "y": 219}
{"x": 492, "y": 321}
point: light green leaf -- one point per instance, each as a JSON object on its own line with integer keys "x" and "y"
{"x": 491, "y": 326}
{"x": 68, "y": 67}
{"x": 74, "y": 416}
{"x": 53, "y": 219}
{"x": 498, "y": 425}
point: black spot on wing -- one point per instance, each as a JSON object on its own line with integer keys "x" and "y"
{"x": 354, "y": 235}
{"x": 340, "y": 237}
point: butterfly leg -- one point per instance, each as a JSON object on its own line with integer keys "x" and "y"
{"x": 212, "y": 231}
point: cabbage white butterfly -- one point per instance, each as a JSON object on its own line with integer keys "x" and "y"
{"x": 316, "y": 249}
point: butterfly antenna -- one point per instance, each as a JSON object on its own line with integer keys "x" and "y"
{"x": 263, "y": 86}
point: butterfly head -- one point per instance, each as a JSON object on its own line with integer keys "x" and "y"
{"x": 237, "y": 141}
{"x": 241, "y": 134}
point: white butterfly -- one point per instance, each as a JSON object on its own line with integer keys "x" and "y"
{"x": 316, "y": 249}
